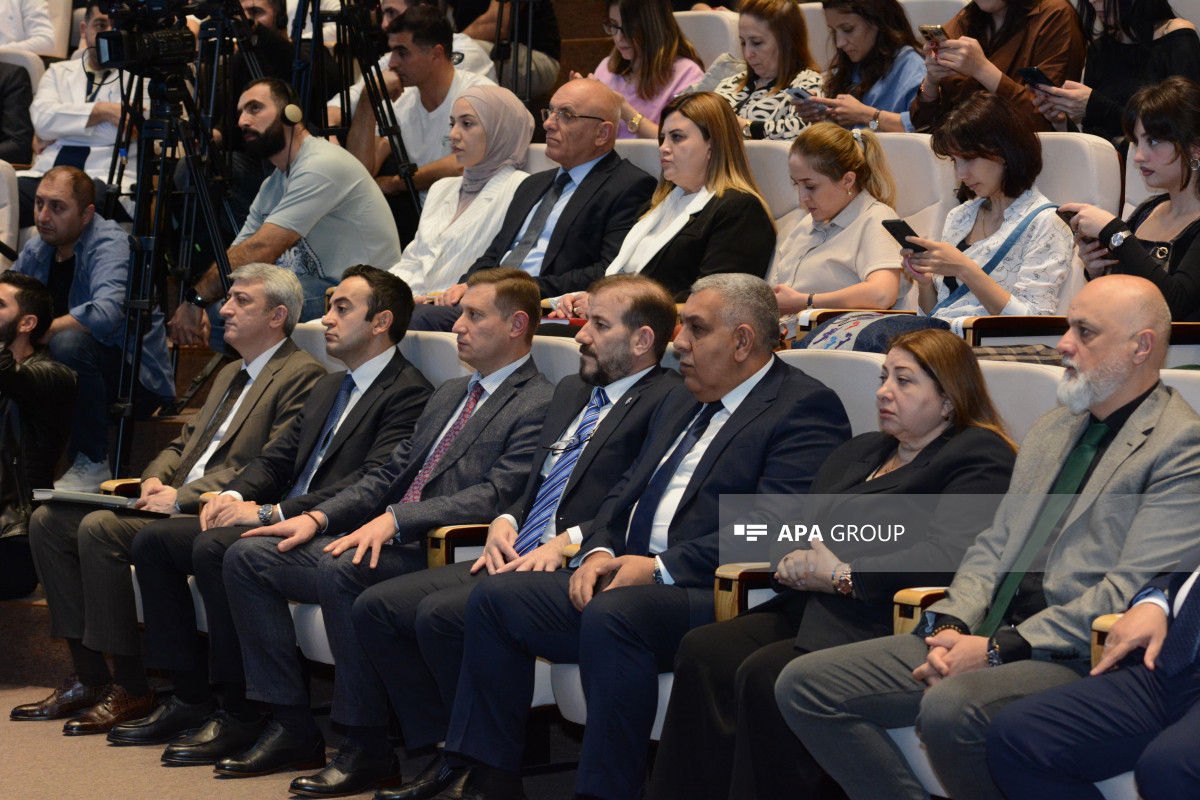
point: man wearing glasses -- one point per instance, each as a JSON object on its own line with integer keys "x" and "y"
{"x": 564, "y": 225}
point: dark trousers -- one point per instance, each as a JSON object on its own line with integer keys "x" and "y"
{"x": 412, "y": 630}
{"x": 165, "y": 552}
{"x": 723, "y": 736}
{"x": 18, "y": 578}
{"x": 261, "y": 580}
{"x": 1057, "y": 743}
{"x": 622, "y": 640}
{"x": 434, "y": 318}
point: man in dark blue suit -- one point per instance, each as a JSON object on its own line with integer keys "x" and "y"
{"x": 412, "y": 626}
{"x": 744, "y": 423}
{"x": 1143, "y": 717}
{"x": 564, "y": 225}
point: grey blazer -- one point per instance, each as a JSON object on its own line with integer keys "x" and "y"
{"x": 1135, "y": 518}
{"x": 482, "y": 473}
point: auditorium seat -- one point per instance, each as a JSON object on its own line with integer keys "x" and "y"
{"x": 1080, "y": 167}
{"x": 930, "y": 12}
{"x": 711, "y": 33}
{"x": 60, "y": 20}
{"x": 556, "y": 356}
{"x": 925, "y": 183}
{"x": 8, "y": 210}
{"x": 820, "y": 43}
{"x": 32, "y": 64}
{"x": 853, "y": 376}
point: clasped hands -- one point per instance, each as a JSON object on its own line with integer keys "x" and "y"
{"x": 951, "y": 653}
{"x": 603, "y": 571}
{"x": 808, "y": 570}
{"x": 500, "y": 555}
{"x": 157, "y": 497}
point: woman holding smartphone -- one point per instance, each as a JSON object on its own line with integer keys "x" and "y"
{"x": 1161, "y": 240}
{"x": 1140, "y": 43}
{"x": 988, "y": 41}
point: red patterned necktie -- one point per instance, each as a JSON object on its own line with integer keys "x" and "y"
{"x": 413, "y": 494}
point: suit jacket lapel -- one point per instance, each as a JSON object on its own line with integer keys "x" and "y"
{"x": 482, "y": 416}
{"x": 265, "y": 378}
{"x": 579, "y": 200}
{"x": 365, "y": 403}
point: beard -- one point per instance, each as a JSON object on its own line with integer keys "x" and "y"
{"x": 606, "y": 371}
{"x": 1085, "y": 389}
{"x": 8, "y": 332}
{"x": 268, "y": 143}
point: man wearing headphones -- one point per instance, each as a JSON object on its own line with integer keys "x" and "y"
{"x": 319, "y": 211}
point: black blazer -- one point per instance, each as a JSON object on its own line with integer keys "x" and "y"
{"x": 589, "y": 231}
{"x": 772, "y": 444}
{"x": 973, "y": 462}
{"x": 384, "y": 416}
{"x": 732, "y": 233}
{"x": 16, "y": 127}
{"x": 614, "y": 445}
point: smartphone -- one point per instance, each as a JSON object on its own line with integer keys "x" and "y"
{"x": 800, "y": 93}
{"x": 899, "y": 229}
{"x": 933, "y": 33}
{"x": 1066, "y": 216}
{"x": 1035, "y": 77}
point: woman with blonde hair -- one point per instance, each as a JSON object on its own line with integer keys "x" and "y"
{"x": 841, "y": 257}
{"x": 707, "y": 214}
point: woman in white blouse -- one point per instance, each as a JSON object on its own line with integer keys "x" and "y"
{"x": 1004, "y": 250}
{"x": 841, "y": 256}
{"x": 490, "y": 130}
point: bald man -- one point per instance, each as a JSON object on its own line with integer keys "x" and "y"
{"x": 1102, "y": 499}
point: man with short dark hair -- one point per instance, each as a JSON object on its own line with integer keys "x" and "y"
{"x": 36, "y": 395}
{"x": 84, "y": 260}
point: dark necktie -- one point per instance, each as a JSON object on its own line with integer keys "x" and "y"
{"x": 638, "y": 542}
{"x": 1183, "y": 637}
{"x": 552, "y": 488}
{"x": 517, "y": 255}
{"x": 1062, "y": 494}
{"x": 236, "y": 386}
{"x": 413, "y": 494}
{"x": 300, "y": 487}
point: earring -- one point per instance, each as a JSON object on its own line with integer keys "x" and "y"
{"x": 849, "y": 192}
{"x": 1194, "y": 164}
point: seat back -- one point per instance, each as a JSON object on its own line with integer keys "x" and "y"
{"x": 641, "y": 153}
{"x": 1136, "y": 190}
{"x": 820, "y": 43}
{"x": 556, "y": 356}
{"x": 31, "y": 63}
{"x": 9, "y": 212}
{"x": 76, "y": 18}
{"x": 711, "y": 33}
{"x": 1186, "y": 382}
{"x": 1187, "y": 9}
{"x": 853, "y": 376}
{"x": 925, "y": 184}
{"x": 536, "y": 161}
{"x": 60, "y": 19}
{"x": 768, "y": 162}
{"x": 310, "y": 337}
{"x": 1021, "y": 392}
{"x": 930, "y": 12}
{"x": 436, "y": 354}
{"x": 1080, "y": 167}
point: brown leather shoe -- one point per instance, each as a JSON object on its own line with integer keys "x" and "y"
{"x": 115, "y": 707}
{"x": 64, "y": 701}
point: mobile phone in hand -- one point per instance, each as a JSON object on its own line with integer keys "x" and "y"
{"x": 899, "y": 229}
{"x": 1035, "y": 77}
{"x": 799, "y": 93}
{"x": 933, "y": 34}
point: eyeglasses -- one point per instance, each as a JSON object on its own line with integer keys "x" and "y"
{"x": 565, "y": 445}
{"x": 611, "y": 28}
{"x": 563, "y": 115}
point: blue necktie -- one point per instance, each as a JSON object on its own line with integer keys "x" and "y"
{"x": 300, "y": 487}
{"x": 638, "y": 542}
{"x": 556, "y": 482}
{"x": 1183, "y": 637}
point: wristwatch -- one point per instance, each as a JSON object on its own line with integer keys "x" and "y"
{"x": 843, "y": 580}
{"x": 658, "y": 576}
{"x": 993, "y": 653}
{"x": 264, "y": 514}
{"x": 874, "y": 123}
{"x": 746, "y": 131}
{"x": 635, "y": 123}
{"x": 193, "y": 297}
{"x": 1118, "y": 239}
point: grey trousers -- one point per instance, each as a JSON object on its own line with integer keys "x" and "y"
{"x": 82, "y": 558}
{"x": 841, "y": 701}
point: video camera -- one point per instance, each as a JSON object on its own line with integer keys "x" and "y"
{"x": 148, "y": 37}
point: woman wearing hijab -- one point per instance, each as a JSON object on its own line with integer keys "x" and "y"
{"x": 490, "y": 130}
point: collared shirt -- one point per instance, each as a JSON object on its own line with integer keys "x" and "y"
{"x": 253, "y": 369}
{"x": 533, "y": 261}
{"x": 490, "y": 384}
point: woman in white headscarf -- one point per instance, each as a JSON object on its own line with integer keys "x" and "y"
{"x": 490, "y": 130}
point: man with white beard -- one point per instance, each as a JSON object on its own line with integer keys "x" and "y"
{"x": 1102, "y": 499}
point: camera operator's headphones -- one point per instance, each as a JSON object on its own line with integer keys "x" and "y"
{"x": 292, "y": 115}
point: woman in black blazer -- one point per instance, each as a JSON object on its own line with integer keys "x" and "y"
{"x": 707, "y": 214}
{"x": 939, "y": 435}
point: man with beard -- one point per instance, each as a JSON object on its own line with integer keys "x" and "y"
{"x": 316, "y": 214}
{"x": 36, "y": 394}
{"x": 411, "y": 627}
{"x": 1102, "y": 499}
{"x": 84, "y": 260}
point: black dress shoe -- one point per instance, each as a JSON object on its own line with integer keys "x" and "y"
{"x": 484, "y": 783}
{"x": 350, "y": 772}
{"x": 169, "y": 721}
{"x": 277, "y": 749}
{"x": 438, "y": 777}
{"x": 220, "y": 737}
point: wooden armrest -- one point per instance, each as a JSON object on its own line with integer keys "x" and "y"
{"x": 444, "y": 541}
{"x": 1012, "y": 325}
{"x": 909, "y": 603}
{"x": 569, "y": 552}
{"x": 1100, "y": 628}
{"x": 122, "y": 487}
{"x": 204, "y": 498}
{"x": 733, "y": 583}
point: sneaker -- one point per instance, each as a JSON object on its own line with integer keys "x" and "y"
{"x": 84, "y": 475}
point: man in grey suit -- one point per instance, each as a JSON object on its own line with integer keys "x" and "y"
{"x": 466, "y": 461}
{"x": 1102, "y": 499}
{"x": 82, "y": 554}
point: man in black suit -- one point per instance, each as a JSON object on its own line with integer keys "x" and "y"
{"x": 744, "y": 423}
{"x": 467, "y": 460}
{"x": 564, "y": 225}
{"x": 412, "y": 626}
{"x": 350, "y": 423}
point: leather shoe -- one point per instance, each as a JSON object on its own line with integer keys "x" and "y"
{"x": 220, "y": 737}
{"x": 115, "y": 707}
{"x": 169, "y": 721}
{"x": 484, "y": 783}
{"x": 277, "y": 749}
{"x": 438, "y": 777}
{"x": 350, "y": 772}
{"x": 63, "y": 702}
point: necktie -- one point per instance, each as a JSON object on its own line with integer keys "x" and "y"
{"x": 1069, "y": 481}
{"x": 638, "y": 543}
{"x": 340, "y": 402}
{"x": 552, "y": 488}
{"x": 236, "y": 386}
{"x": 1183, "y": 637}
{"x": 517, "y": 255}
{"x": 413, "y": 494}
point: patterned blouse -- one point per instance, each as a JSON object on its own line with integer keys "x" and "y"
{"x": 771, "y": 115}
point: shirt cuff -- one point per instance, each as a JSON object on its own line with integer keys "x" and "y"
{"x": 395, "y": 519}
{"x": 1012, "y": 646}
{"x": 575, "y": 533}
{"x": 511, "y": 520}
{"x": 662, "y": 568}
{"x": 236, "y": 495}
{"x": 1152, "y": 595}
